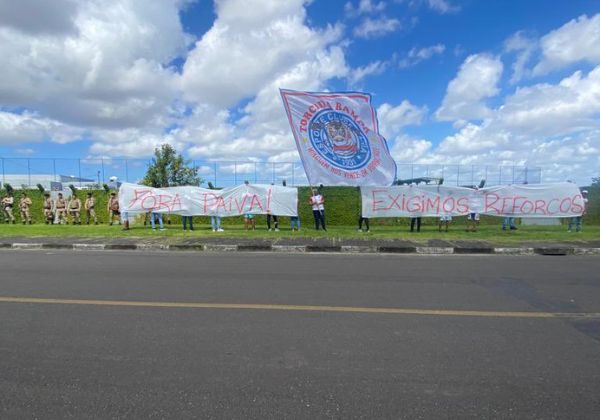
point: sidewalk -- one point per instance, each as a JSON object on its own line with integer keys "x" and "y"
{"x": 302, "y": 245}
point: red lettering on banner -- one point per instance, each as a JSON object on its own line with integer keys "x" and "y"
{"x": 147, "y": 198}
{"x": 376, "y": 202}
{"x": 138, "y": 195}
{"x": 526, "y": 203}
{"x": 576, "y": 207}
{"x": 515, "y": 205}
{"x": 435, "y": 204}
{"x": 550, "y": 212}
{"x": 255, "y": 200}
{"x": 237, "y": 204}
{"x": 453, "y": 204}
{"x": 413, "y": 207}
{"x": 394, "y": 202}
{"x": 568, "y": 201}
{"x": 213, "y": 197}
{"x": 540, "y": 205}
{"x": 490, "y": 205}
{"x": 221, "y": 203}
{"x": 462, "y": 205}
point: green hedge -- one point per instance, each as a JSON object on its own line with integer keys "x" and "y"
{"x": 342, "y": 208}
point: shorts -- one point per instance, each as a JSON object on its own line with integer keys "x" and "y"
{"x": 445, "y": 218}
{"x": 473, "y": 216}
{"x": 248, "y": 216}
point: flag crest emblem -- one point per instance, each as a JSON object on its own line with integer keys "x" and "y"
{"x": 339, "y": 140}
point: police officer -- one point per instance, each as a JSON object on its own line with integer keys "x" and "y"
{"x": 61, "y": 208}
{"x": 7, "y": 206}
{"x": 24, "y": 205}
{"x": 113, "y": 208}
{"x": 48, "y": 209}
{"x": 75, "y": 209}
{"x": 90, "y": 212}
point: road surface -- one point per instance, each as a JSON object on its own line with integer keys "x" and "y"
{"x": 189, "y": 335}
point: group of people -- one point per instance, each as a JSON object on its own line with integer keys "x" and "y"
{"x": 62, "y": 209}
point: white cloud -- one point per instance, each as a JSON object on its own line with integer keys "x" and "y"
{"x": 39, "y": 17}
{"x": 552, "y": 125}
{"x": 442, "y": 6}
{"x": 109, "y": 71}
{"x": 439, "y": 6}
{"x": 249, "y": 44}
{"x": 372, "y": 69}
{"x": 364, "y": 7}
{"x": 376, "y": 28}
{"x": 406, "y": 149}
{"x": 544, "y": 109}
{"x": 416, "y": 55}
{"x": 575, "y": 41}
{"x": 524, "y": 46}
{"x": 476, "y": 80}
{"x": 393, "y": 118}
{"x": 28, "y": 127}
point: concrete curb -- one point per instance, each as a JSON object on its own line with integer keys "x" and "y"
{"x": 514, "y": 251}
{"x": 18, "y": 245}
{"x": 266, "y": 247}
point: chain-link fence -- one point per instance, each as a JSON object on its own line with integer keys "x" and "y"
{"x": 92, "y": 173}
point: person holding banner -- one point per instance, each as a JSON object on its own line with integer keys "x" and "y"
{"x": 215, "y": 222}
{"x": 186, "y": 220}
{"x": 576, "y": 221}
{"x": 445, "y": 219}
{"x": 364, "y": 220}
{"x": 473, "y": 216}
{"x": 156, "y": 216}
{"x": 317, "y": 201}
{"x": 509, "y": 223}
{"x": 295, "y": 223}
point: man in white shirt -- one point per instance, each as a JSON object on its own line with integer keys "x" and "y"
{"x": 317, "y": 201}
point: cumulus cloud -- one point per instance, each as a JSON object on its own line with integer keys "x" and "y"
{"x": 28, "y": 127}
{"x": 39, "y": 17}
{"x": 393, "y": 118}
{"x": 110, "y": 71}
{"x": 575, "y": 41}
{"x": 553, "y": 125}
{"x": 249, "y": 44}
{"x": 477, "y": 79}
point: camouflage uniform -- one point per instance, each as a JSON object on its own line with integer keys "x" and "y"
{"x": 75, "y": 209}
{"x": 90, "y": 212}
{"x": 24, "y": 204}
{"x": 7, "y": 206}
{"x": 48, "y": 209}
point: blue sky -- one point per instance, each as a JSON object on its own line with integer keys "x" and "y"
{"x": 455, "y": 82}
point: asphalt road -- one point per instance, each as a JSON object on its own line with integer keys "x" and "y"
{"x": 452, "y": 343}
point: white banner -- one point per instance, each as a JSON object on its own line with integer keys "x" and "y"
{"x": 196, "y": 201}
{"x": 539, "y": 200}
{"x": 338, "y": 138}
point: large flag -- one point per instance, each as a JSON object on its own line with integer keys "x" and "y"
{"x": 338, "y": 138}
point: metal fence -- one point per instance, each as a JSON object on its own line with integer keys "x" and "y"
{"x": 82, "y": 173}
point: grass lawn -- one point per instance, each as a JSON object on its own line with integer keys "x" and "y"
{"x": 491, "y": 233}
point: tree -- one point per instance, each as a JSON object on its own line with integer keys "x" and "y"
{"x": 169, "y": 169}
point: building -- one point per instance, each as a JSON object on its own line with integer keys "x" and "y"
{"x": 48, "y": 181}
